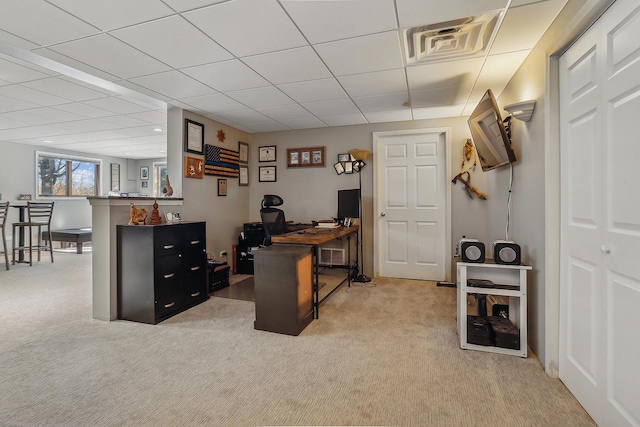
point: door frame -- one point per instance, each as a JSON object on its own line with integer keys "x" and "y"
{"x": 377, "y": 170}
{"x": 586, "y": 16}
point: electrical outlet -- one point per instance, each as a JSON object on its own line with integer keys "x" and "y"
{"x": 223, "y": 253}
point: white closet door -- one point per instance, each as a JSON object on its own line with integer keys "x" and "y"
{"x": 600, "y": 267}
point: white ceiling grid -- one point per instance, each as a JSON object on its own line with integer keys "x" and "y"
{"x": 256, "y": 65}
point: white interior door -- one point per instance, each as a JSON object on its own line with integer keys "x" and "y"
{"x": 411, "y": 208}
{"x": 600, "y": 225}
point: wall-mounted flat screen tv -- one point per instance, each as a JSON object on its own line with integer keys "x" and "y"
{"x": 489, "y": 134}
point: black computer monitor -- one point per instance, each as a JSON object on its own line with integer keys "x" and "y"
{"x": 348, "y": 206}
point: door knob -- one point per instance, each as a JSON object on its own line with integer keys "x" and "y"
{"x": 605, "y": 249}
{"x": 383, "y": 213}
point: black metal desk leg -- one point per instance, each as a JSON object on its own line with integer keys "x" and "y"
{"x": 316, "y": 282}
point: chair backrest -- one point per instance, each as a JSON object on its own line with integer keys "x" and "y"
{"x": 4, "y": 208}
{"x": 273, "y": 221}
{"x": 40, "y": 212}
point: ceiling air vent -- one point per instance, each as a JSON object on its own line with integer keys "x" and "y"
{"x": 452, "y": 39}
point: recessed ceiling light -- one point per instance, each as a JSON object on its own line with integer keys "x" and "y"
{"x": 47, "y": 141}
{"x": 158, "y": 130}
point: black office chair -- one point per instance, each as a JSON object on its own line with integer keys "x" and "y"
{"x": 273, "y": 221}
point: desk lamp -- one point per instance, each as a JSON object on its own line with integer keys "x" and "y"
{"x": 358, "y": 164}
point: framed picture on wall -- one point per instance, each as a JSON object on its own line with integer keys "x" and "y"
{"x": 244, "y": 176}
{"x": 144, "y": 173}
{"x": 267, "y": 153}
{"x": 222, "y": 187}
{"x": 193, "y": 137}
{"x": 243, "y": 152}
{"x": 305, "y": 157}
{"x": 115, "y": 177}
{"x": 267, "y": 174}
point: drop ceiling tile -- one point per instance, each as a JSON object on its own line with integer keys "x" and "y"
{"x": 27, "y": 94}
{"x": 362, "y": 54}
{"x": 84, "y": 110}
{"x": 388, "y": 116}
{"x": 441, "y": 96}
{"x": 17, "y": 73}
{"x": 216, "y": 104}
{"x": 4, "y": 83}
{"x": 420, "y": 12}
{"x": 376, "y": 83}
{"x": 226, "y": 76}
{"x": 184, "y": 5}
{"x": 123, "y": 121}
{"x": 12, "y": 104}
{"x": 307, "y": 123}
{"x": 288, "y": 66}
{"x": 16, "y": 41}
{"x": 87, "y": 125}
{"x": 523, "y": 26}
{"x": 328, "y": 21}
{"x": 496, "y": 73}
{"x": 327, "y": 108}
{"x": 154, "y": 117}
{"x": 389, "y": 102}
{"x": 63, "y": 88}
{"x": 261, "y": 97}
{"x": 173, "y": 84}
{"x": 111, "y": 14}
{"x": 244, "y": 117}
{"x": 174, "y": 41}
{"x": 270, "y": 126}
{"x": 437, "y": 112}
{"x": 263, "y": 23}
{"x": 219, "y": 119}
{"x": 444, "y": 74}
{"x": 42, "y": 23}
{"x": 111, "y": 55}
{"x": 293, "y": 111}
{"x": 315, "y": 90}
{"x": 116, "y": 105}
{"x": 45, "y": 115}
{"x": 344, "y": 119}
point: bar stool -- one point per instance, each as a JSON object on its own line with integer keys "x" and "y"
{"x": 39, "y": 216}
{"x": 4, "y": 208}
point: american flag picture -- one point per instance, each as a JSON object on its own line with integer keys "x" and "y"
{"x": 220, "y": 161}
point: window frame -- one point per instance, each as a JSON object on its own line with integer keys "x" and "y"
{"x": 72, "y": 158}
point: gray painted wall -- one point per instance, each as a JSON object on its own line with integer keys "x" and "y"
{"x": 311, "y": 193}
{"x": 17, "y": 176}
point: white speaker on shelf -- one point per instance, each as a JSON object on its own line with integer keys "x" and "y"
{"x": 506, "y": 252}
{"x": 471, "y": 250}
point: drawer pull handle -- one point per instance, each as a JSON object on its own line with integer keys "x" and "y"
{"x": 195, "y": 268}
{"x": 168, "y": 246}
{"x": 196, "y": 294}
{"x": 195, "y": 242}
{"x": 169, "y": 276}
{"x": 169, "y": 305}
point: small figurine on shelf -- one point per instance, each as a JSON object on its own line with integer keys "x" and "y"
{"x": 137, "y": 215}
{"x": 168, "y": 189}
{"x": 155, "y": 215}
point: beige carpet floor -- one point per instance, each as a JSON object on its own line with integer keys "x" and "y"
{"x": 383, "y": 355}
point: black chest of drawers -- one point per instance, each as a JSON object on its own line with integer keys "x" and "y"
{"x": 162, "y": 270}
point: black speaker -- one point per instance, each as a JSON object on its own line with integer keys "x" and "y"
{"x": 471, "y": 250}
{"x": 506, "y": 252}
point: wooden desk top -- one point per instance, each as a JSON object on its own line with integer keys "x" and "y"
{"x": 314, "y": 236}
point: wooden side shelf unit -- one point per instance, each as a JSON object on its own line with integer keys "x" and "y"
{"x": 509, "y": 281}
